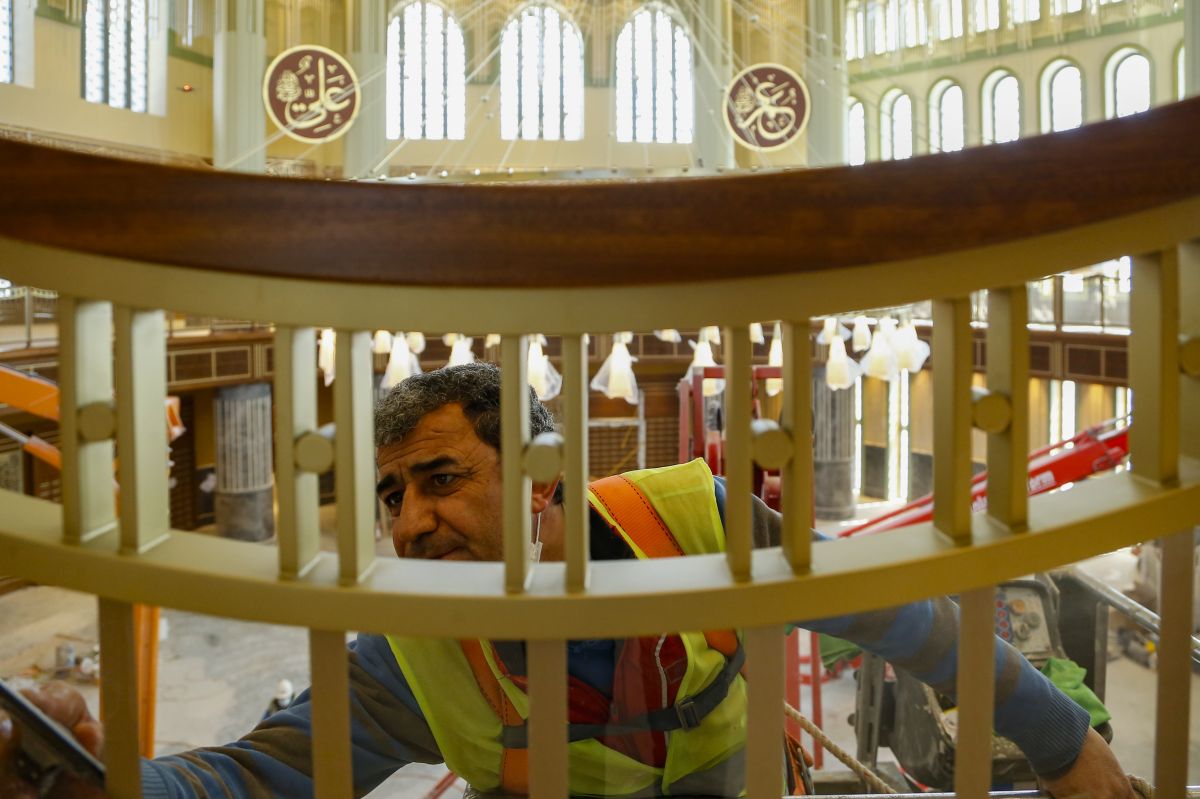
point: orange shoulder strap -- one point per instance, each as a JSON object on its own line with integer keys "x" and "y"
{"x": 514, "y": 763}
{"x": 636, "y": 517}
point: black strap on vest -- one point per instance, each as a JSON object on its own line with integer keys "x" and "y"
{"x": 685, "y": 715}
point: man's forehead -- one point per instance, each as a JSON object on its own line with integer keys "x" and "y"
{"x": 445, "y": 429}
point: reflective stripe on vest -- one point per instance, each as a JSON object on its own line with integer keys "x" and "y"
{"x": 670, "y": 511}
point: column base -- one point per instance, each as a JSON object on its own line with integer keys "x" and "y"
{"x": 246, "y": 516}
{"x": 833, "y": 494}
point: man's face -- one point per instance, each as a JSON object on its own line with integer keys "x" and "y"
{"x": 442, "y": 486}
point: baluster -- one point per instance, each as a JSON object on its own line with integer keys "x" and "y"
{"x": 88, "y": 420}
{"x": 142, "y": 447}
{"x": 796, "y": 480}
{"x": 764, "y": 711}
{"x": 548, "y": 767}
{"x": 575, "y": 453}
{"x": 119, "y": 699}
{"x": 353, "y": 404}
{"x": 1004, "y": 411}
{"x": 514, "y": 436}
{"x": 1154, "y": 455}
{"x": 301, "y": 453}
{"x": 953, "y": 348}
{"x": 738, "y": 476}
{"x": 333, "y": 775}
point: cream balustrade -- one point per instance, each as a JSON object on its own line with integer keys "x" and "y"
{"x": 80, "y": 545}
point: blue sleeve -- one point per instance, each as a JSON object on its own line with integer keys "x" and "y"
{"x": 275, "y": 759}
{"x": 922, "y": 639}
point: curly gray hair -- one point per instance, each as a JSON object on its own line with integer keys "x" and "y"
{"x": 474, "y": 386}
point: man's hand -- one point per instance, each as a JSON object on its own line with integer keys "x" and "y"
{"x": 65, "y": 705}
{"x": 1095, "y": 773}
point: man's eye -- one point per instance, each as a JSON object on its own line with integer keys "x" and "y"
{"x": 394, "y": 499}
{"x": 442, "y": 480}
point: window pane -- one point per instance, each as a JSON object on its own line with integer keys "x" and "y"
{"x": 392, "y": 78}
{"x": 414, "y": 79}
{"x": 508, "y": 81}
{"x": 95, "y": 59}
{"x": 624, "y": 95}
{"x": 1132, "y": 85}
{"x": 1180, "y": 74}
{"x": 902, "y": 128}
{"x": 643, "y": 69}
{"x": 531, "y": 47}
{"x": 551, "y": 61}
{"x": 664, "y": 66}
{"x": 572, "y": 82}
{"x": 684, "y": 91}
{"x": 139, "y": 42}
{"x": 435, "y": 72}
{"x": 6, "y": 41}
{"x": 1066, "y": 99}
{"x": 1006, "y": 110}
{"x": 856, "y": 134}
{"x": 951, "y": 120}
{"x": 118, "y": 53}
{"x": 456, "y": 81}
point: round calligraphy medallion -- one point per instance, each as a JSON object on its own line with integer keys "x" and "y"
{"x": 766, "y": 106}
{"x": 311, "y": 93}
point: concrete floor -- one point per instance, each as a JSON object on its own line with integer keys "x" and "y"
{"x": 217, "y": 676}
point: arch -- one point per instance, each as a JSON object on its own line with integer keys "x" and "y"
{"x": 856, "y": 131}
{"x": 655, "y": 88}
{"x": 1061, "y": 95}
{"x": 947, "y": 118}
{"x": 426, "y": 73}
{"x": 1128, "y": 81}
{"x": 1000, "y": 107}
{"x": 895, "y": 124}
{"x": 541, "y": 75}
{"x": 116, "y": 53}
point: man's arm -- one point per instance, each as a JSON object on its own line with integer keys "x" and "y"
{"x": 921, "y": 638}
{"x": 275, "y": 759}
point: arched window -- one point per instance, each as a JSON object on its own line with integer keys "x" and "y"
{"x": 6, "y": 41}
{"x": 949, "y": 16}
{"x": 1061, "y": 96}
{"x": 856, "y": 132}
{"x": 987, "y": 15}
{"x": 1127, "y": 83}
{"x": 881, "y": 37}
{"x": 947, "y": 122}
{"x": 655, "y": 92}
{"x": 1025, "y": 10}
{"x": 116, "y": 49}
{"x": 426, "y": 81}
{"x": 913, "y": 25}
{"x": 856, "y": 30}
{"x": 1001, "y": 107}
{"x": 541, "y": 76}
{"x": 895, "y": 125}
{"x": 1180, "y": 74}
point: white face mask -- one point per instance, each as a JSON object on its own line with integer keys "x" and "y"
{"x": 535, "y": 546}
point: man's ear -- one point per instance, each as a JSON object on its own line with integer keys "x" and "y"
{"x": 543, "y": 495}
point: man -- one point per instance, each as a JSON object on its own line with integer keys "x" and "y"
{"x": 646, "y": 718}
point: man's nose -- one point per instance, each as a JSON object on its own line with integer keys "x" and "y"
{"x": 415, "y": 520}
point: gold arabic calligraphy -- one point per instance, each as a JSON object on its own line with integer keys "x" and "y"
{"x": 330, "y": 97}
{"x": 766, "y": 110}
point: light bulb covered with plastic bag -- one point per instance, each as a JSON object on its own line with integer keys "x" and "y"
{"x": 911, "y": 351}
{"x": 668, "y": 334}
{"x": 544, "y": 378}
{"x": 416, "y": 343}
{"x": 862, "y": 334}
{"x": 326, "y": 354}
{"x": 840, "y": 371}
{"x": 615, "y": 379}
{"x": 756, "y": 333}
{"x": 382, "y": 343}
{"x": 402, "y": 363}
{"x": 460, "y": 349}
{"x": 775, "y": 358}
{"x": 880, "y": 360}
{"x": 830, "y": 329}
{"x": 702, "y": 356}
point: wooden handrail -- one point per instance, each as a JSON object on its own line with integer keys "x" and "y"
{"x": 620, "y": 232}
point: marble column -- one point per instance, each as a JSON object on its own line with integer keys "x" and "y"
{"x": 825, "y": 74}
{"x": 245, "y": 474}
{"x": 365, "y": 143}
{"x": 833, "y": 447}
{"x": 713, "y": 71}
{"x": 239, "y": 62}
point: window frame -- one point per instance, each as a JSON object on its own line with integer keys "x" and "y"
{"x": 1046, "y": 79}
{"x": 987, "y": 106}
{"x": 678, "y": 23}
{"x": 937, "y": 95}
{"x": 851, "y": 102}
{"x": 1112, "y": 66}
{"x": 887, "y": 124}
{"x": 566, "y": 20}
{"x": 397, "y": 113}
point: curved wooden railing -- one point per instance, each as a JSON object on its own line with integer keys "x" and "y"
{"x": 119, "y": 240}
